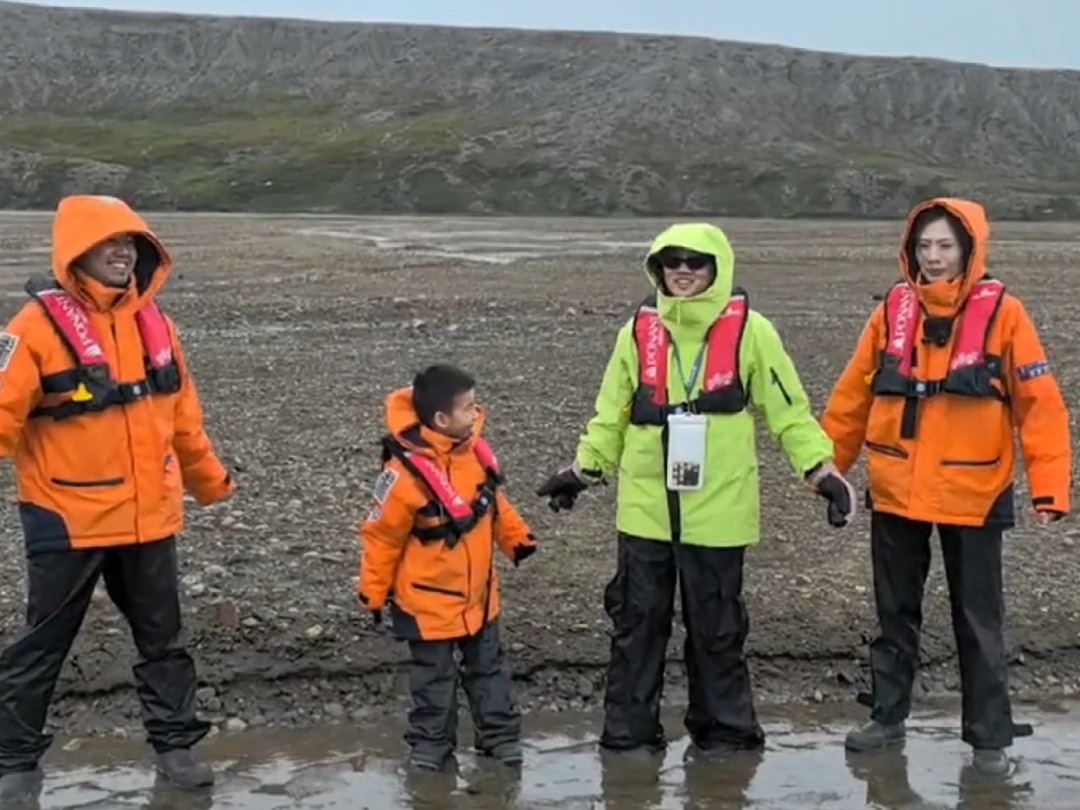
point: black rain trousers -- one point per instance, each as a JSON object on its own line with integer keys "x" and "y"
{"x": 487, "y": 680}
{"x": 972, "y": 557}
{"x": 142, "y": 582}
{"x": 640, "y": 599}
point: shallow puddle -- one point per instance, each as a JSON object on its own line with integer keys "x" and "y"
{"x": 804, "y": 766}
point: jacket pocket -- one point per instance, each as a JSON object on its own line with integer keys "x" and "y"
{"x": 96, "y": 482}
{"x": 968, "y": 462}
{"x": 886, "y": 449}
{"x": 419, "y": 586}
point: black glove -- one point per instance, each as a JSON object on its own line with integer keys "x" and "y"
{"x": 562, "y": 489}
{"x": 834, "y": 488}
{"x": 522, "y": 553}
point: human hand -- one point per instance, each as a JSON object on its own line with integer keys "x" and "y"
{"x": 827, "y": 481}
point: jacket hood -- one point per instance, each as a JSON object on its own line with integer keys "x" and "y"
{"x": 83, "y": 221}
{"x": 404, "y": 425}
{"x": 698, "y": 312}
{"x": 946, "y": 297}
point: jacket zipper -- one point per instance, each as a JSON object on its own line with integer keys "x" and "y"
{"x": 886, "y": 450}
{"x": 780, "y": 385}
{"x": 127, "y": 428}
{"x": 102, "y": 482}
{"x": 436, "y": 589}
{"x": 955, "y": 462}
{"x": 467, "y": 596}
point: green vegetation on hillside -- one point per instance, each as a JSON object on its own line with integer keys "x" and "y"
{"x": 292, "y": 154}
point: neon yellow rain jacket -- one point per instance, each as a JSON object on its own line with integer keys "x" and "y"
{"x": 726, "y": 511}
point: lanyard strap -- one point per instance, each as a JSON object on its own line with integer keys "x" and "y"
{"x": 695, "y": 370}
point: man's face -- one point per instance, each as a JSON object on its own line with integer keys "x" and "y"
{"x": 460, "y": 420}
{"x": 111, "y": 262}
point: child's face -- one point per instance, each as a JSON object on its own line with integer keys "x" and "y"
{"x": 459, "y": 421}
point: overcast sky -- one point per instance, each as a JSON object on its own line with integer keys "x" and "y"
{"x": 1030, "y": 33}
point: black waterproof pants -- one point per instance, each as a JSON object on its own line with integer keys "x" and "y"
{"x": 487, "y": 680}
{"x": 640, "y": 601}
{"x": 972, "y": 557}
{"x": 141, "y": 580}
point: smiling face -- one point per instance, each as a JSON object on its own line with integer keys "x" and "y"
{"x": 111, "y": 262}
{"x": 685, "y": 273}
{"x": 938, "y": 251}
{"x": 459, "y": 421}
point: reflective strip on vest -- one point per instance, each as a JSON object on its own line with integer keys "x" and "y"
{"x": 71, "y": 320}
{"x": 437, "y": 481}
{"x": 721, "y": 354}
{"x": 904, "y": 316}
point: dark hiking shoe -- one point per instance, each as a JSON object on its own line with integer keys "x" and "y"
{"x": 184, "y": 771}
{"x": 20, "y": 786}
{"x": 990, "y": 761}
{"x": 874, "y": 736}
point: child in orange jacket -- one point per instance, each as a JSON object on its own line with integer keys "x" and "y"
{"x": 429, "y": 540}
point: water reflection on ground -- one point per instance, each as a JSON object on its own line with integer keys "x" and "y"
{"x": 804, "y": 766}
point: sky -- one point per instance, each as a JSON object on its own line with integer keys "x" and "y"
{"x": 1014, "y": 33}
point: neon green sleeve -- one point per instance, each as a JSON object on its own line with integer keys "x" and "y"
{"x": 778, "y": 395}
{"x": 601, "y": 445}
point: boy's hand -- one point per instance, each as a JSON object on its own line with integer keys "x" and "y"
{"x": 827, "y": 481}
{"x": 563, "y": 487}
{"x": 376, "y": 613}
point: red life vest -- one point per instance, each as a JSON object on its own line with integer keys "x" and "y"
{"x": 722, "y": 390}
{"x": 972, "y": 371}
{"x": 90, "y": 383}
{"x": 461, "y": 516}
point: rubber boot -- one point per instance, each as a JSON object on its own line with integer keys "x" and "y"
{"x": 183, "y": 770}
{"x": 990, "y": 761}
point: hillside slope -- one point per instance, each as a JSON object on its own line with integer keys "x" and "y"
{"x": 231, "y": 114}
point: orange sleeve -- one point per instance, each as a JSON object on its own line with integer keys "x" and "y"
{"x": 1039, "y": 412}
{"x": 511, "y": 530}
{"x": 385, "y": 532}
{"x": 204, "y": 475}
{"x": 20, "y": 380}
{"x": 848, "y": 409}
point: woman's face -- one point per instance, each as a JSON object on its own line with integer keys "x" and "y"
{"x": 938, "y": 252}
{"x": 686, "y": 275}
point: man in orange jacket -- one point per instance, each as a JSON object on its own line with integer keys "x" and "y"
{"x": 429, "y": 540}
{"x": 948, "y": 366}
{"x": 106, "y": 429}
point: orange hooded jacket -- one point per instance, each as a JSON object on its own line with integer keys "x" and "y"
{"x": 949, "y": 458}
{"x": 114, "y": 477}
{"x": 439, "y": 592}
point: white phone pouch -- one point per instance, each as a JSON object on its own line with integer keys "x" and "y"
{"x": 686, "y": 451}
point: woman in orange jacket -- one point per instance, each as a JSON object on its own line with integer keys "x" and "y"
{"x": 947, "y": 368}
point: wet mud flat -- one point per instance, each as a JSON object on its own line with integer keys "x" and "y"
{"x": 804, "y": 765}
{"x": 297, "y": 327}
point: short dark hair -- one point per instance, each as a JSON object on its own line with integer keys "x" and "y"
{"x": 436, "y": 388}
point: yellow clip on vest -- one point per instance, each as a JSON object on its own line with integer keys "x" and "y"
{"x": 82, "y": 394}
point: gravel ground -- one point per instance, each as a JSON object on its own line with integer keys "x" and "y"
{"x": 297, "y": 327}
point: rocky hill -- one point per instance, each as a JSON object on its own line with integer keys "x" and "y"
{"x": 232, "y": 114}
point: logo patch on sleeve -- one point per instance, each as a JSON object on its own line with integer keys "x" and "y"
{"x": 383, "y": 484}
{"x": 8, "y": 342}
{"x": 1040, "y": 368}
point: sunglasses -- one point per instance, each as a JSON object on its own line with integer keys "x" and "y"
{"x": 694, "y": 263}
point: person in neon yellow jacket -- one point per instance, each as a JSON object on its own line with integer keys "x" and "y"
{"x": 674, "y": 418}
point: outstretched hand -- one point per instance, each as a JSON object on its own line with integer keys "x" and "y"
{"x": 562, "y": 489}
{"x": 827, "y": 481}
